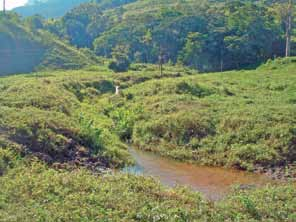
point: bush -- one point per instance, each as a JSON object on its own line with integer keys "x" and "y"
{"x": 179, "y": 129}
{"x": 119, "y": 65}
{"x": 8, "y": 160}
{"x": 49, "y": 195}
{"x": 92, "y": 136}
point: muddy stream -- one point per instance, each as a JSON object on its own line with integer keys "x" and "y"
{"x": 213, "y": 182}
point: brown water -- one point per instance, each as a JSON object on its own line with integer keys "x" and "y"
{"x": 213, "y": 182}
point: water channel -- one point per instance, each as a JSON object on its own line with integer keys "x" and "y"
{"x": 213, "y": 182}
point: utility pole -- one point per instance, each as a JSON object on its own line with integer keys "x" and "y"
{"x": 160, "y": 60}
{"x": 4, "y": 6}
{"x": 221, "y": 59}
{"x": 289, "y": 28}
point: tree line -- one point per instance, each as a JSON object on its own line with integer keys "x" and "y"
{"x": 208, "y": 35}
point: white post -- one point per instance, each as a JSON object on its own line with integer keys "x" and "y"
{"x": 116, "y": 90}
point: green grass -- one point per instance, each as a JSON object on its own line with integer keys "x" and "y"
{"x": 57, "y": 113}
{"x": 43, "y": 113}
{"x": 72, "y": 122}
{"x": 239, "y": 119}
{"x": 48, "y": 195}
{"x": 33, "y": 192}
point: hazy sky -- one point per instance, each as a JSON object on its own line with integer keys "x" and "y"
{"x": 10, "y": 4}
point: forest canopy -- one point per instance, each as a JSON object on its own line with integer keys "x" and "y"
{"x": 206, "y": 35}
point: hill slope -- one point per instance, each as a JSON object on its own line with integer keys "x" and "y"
{"x": 238, "y": 119}
{"x": 48, "y": 8}
{"x": 72, "y": 120}
{"x": 24, "y": 49}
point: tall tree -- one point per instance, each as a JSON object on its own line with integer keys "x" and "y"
{"x": 284, "y": 11}
{"x": 289, "y": 28}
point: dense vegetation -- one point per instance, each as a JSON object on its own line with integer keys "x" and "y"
{"x": 37, "y": 193}
{"x": 206, "y": 35}
{"x": 63, "y": 133}
{"x": 26, "y": 47}
{"x": 237, "y": 118}
{"x": 73, "y": 122}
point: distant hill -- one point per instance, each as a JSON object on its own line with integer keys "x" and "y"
{"x": 24, "y": 49}
{"x": 48, "y": 8}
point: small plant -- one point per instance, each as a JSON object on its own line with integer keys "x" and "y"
{"x": 124, "y": 119}
{"x": 92, "y": 135}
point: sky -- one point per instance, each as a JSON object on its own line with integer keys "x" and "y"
{"x": 10, "y": 4}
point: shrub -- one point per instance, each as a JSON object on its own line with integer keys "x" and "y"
{"x": 92, "y": 136}
{"x": 121, "y": 65}
{"x": 8, "y": 160}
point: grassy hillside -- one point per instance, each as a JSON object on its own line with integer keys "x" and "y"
{"x": 62, "y": 116}
{"x": 26, "y": 49}
{"x": 242, "y": 119}
{"x": 59, "y": 130}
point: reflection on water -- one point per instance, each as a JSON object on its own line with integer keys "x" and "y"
{"x": 213, "y": 182}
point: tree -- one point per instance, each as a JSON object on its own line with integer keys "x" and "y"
{"x": 35, "y": 22}
{"x": 284, "y": 11}
{"x": 120, "y": 60}
{"x": 251, "y": 33}
{"x": 161, "y": 60}
{"x": 289, "y": 28}
{"x": 192, "y": 51}
{"x": 146, "y": 40}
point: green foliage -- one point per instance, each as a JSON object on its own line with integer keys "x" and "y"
{"x": 240, "y": 119}
{"x": 216, "y": 35}
{"x": 92, "y": 136}
{"x": 216, "y": 119}
{"x": 124, "y": 120}
{"x": 279, "y": 63}
{"x": 120, "y": 62}
{"x": 50, "y": 195}
{"x": 41, "y": 113}
{"x": 267, "y": 204}
{"x": 35, "y": 22}
{"x": 8, "y": 160}
{"x": 219, "y": 119}
{"x": 178, "y": 129}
